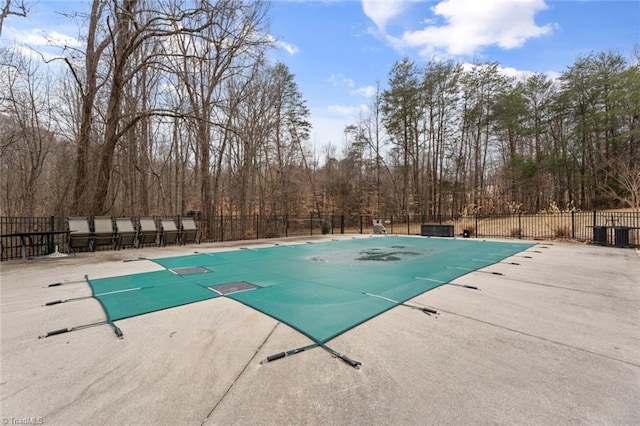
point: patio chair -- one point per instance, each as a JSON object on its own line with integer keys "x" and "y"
{"x": 103, "y": 233}
{"x": 126, "y": 233}
{"x": 378, "y": 227}
{"x": 189, "y": 232}
{"x": 147, "y": 231}
{"x": 80, "y": 235}
{"x": 169, "y": 233}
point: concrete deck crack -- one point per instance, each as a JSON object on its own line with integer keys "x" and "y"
{"x": 541, "y": 338}
{"x": 239, "y": 375}
{"x": 557, "y": 286}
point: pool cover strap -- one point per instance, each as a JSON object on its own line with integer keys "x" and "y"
{"x": 281, "y": 355}
{"x": 131, "y": 295}
{"x": 334, "y": 353}
{"x": 116, "y": 329}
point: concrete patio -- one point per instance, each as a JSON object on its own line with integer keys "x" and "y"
{"x": 554, "y": 340}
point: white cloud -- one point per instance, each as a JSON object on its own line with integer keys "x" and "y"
{"x": 470, "y": 25}
{"x": 38, "y": 44}
{"x": 381, "y": 11}
{"x": 348, "y": 111}
{"x": 553, "y": 75}
{"x": 40, "y": 38}
{"x": 338, "y": 80}
{"x": 282, "y": 45}
{"x": 366, "y": 91}
{"x": 329, "y": 123}
{"x": 287, "y": 47}
{"x": 519, "y": 75}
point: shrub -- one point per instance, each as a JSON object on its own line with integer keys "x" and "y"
{"x": 325, "y": 228}
{"x": 562, "y": 231}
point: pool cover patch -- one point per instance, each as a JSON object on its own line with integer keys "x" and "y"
{"x": 190, "y": 270}
{"x": 378, "y": 255}
{"x": 322, "y": 290}
{"x": 230, "y": 288}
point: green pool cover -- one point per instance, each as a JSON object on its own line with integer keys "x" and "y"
{"x": 321, "y": 290}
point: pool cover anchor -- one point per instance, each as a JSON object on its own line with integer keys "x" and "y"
{"x": 136, "y": 259}
{"x": 73, "y": 299}
{"x": 423, "y": 309}
{"x": 355, "y": 364}
{"x": 471, "y": 287}
{"x": 427, "y": 311}
{"x": 503, "y": 262}
{"x": 86, "y": 278}
{"x": 475, "y": 270}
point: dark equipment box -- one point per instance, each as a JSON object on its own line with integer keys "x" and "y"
{"x": 437, "y": 231}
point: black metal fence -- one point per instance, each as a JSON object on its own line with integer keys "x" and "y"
{"x": 620, "y": 229}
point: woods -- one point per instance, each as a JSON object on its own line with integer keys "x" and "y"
{"x": 469, "y": 138}
{"x": 171, "y": 106}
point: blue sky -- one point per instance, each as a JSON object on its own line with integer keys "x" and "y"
{"x": 339, "y": 50}
{"x": 343, "y": 48}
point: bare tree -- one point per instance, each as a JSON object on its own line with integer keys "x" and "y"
{"x": 19, "y": 8}
{"x": 28, "y": 133}
{"x": 229, "y": 41}
{"x": 88, "y": 84}
{"x": 624, "y": 182}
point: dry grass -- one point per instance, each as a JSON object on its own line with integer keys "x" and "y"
{"x": 548, "y": 226}
{"x": 562, "y": 232}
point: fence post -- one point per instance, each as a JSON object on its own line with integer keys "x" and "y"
{"x": 408, "y": 225}
{"x": 573, "y": 225}
{"x": 286, "y": 224}
{"x": 520, "y": 225}
{"x": 392, "y": 224}
{"x": 50, "y": 240}
{"x": 361, "y": 224}
{"x": 311, "y": 223}
{"x": 476, "y": 230}
{"x": 342, "y": 224}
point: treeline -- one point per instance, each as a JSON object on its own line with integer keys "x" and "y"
{"x": 169, "y": 106}
{"x": 448, "y": 138}
{"x": 172, "y": 106}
